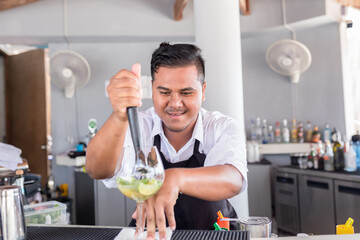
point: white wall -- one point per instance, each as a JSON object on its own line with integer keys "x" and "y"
{"x": 268, "y": 13}
{"x": 95, "y": 21}
{"x": 269, "y": 95}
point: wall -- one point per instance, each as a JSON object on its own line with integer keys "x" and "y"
{"x": 95, "y": 21}
{"x": 267, "y": 14}
{"x": 319, "y": 92}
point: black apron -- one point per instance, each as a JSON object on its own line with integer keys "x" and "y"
{"x": 191, "y": 212}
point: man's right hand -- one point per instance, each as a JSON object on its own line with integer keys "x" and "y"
{"x": 125, "y": 91}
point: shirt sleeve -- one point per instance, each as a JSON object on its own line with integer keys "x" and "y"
{"x": 229, "y": 148}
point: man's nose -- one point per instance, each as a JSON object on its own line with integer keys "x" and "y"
{"x": 175, "y": 100}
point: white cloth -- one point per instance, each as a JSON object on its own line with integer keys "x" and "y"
{"x": 220, "y": 139}
{"x": 9, "y": 156}
{"x": 128, "y": 234}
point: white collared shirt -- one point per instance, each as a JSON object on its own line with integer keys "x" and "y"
{"x": 219, "y": 136}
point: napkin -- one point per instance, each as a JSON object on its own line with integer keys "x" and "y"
{"x": 9, "y": 156}
{"x": 128, "y": 234}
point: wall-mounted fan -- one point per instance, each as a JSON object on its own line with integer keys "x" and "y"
{"x": 289, "y": 57}
{"x": 69, "y": 71}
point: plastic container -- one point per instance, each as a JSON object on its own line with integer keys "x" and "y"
{"x": 347, "y": 228}
{"x": 51, "y": 212}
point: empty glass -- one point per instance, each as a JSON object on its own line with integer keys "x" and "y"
{"x": 303, "y": 161}
{"x": 12, "y": 221}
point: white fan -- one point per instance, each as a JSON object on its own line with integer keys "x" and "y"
{"x": 69, "y": 71}
{"x": 289, "y": 58}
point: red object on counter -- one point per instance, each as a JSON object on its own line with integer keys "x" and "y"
{"x": 222, "y": 224}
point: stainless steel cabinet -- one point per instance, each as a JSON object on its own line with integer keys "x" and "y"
{"x": 286, "y": 202}
{"x": 347, "y": 200}
{"x": 316, "y": 205}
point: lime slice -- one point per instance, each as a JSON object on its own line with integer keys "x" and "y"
{"x": 149, "y": 189}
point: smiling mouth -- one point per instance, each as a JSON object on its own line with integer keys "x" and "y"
{"x": 175, "y": 114}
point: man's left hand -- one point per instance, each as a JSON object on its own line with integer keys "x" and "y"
{"x": 162, "y": 203}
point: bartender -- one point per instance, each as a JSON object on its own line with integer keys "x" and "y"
{"x": 203, "y": 152}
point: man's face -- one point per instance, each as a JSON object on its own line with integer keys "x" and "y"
{"x": 177, "y": 96}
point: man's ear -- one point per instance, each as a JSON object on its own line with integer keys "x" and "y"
{"x": 203, "y": 91}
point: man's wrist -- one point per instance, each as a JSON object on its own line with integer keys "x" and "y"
{"x": 119, "y": 117}
{"x": 175, "y": 176}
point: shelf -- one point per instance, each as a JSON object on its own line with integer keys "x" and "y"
{"x": 65, "y": 160}
{"x": 285, "y": 148}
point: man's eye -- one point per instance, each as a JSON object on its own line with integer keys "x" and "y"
{"x": 164, "y": 93}
{"x": 186, "y": 93}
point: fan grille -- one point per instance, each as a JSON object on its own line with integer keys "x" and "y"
{"x": 288, "y": 57}
{"x": 69, "y": 66}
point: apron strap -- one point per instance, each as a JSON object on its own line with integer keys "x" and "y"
{"x": 196, "y": 146}
{"x": 157, "y": 142}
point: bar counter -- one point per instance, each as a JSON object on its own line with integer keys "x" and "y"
{"x": 82, "y": 232}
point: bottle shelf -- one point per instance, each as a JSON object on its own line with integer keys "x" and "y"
{"x": 285, "y": 148}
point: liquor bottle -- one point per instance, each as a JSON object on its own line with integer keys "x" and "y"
{"x": 356, "y": 144}
{"x": 300, "y": 133}
{"x": 333, "y": 135}
{"x": 277, "y": 133}
{"x": 338, "y": 148}
{"x": 329, "y": 157}
{"x": 350, "y": 157}
{"x": 258, "y": 130}
{"x": 252, "y": 130}
{"x": 320, "y": 155}
{"x": 265, "y": 139}
{"x": 285, "y": 132}
{"x": 308, "y": 132}
{"x": 294, "y": 134}
{"x": 316, "y": 158}
{"x": 327, "y": 133}
{"x": 311, "y": 157}
{"x": 271, "y": 135}
{"x": 316, "y": 135}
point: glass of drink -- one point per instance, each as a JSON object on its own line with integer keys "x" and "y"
{"x": 139, "y": 178}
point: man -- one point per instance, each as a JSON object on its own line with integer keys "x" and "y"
{"x": 203, "y": 152}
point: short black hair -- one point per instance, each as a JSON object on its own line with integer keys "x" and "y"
{"x": 178, "y": 55}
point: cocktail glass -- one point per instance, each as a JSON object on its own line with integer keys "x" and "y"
{"x": 139, "y": 178}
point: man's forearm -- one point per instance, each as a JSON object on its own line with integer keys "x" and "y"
{"x": 210, "y": 183}
{"x": 105, "y": 148}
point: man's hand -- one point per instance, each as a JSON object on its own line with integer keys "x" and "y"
{"x": 162, "y": 203}
{"x": 212, "y": 183}
{"x": 125, "y": 90}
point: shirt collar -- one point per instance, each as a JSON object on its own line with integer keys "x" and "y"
{"x": 197, "y": 133}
